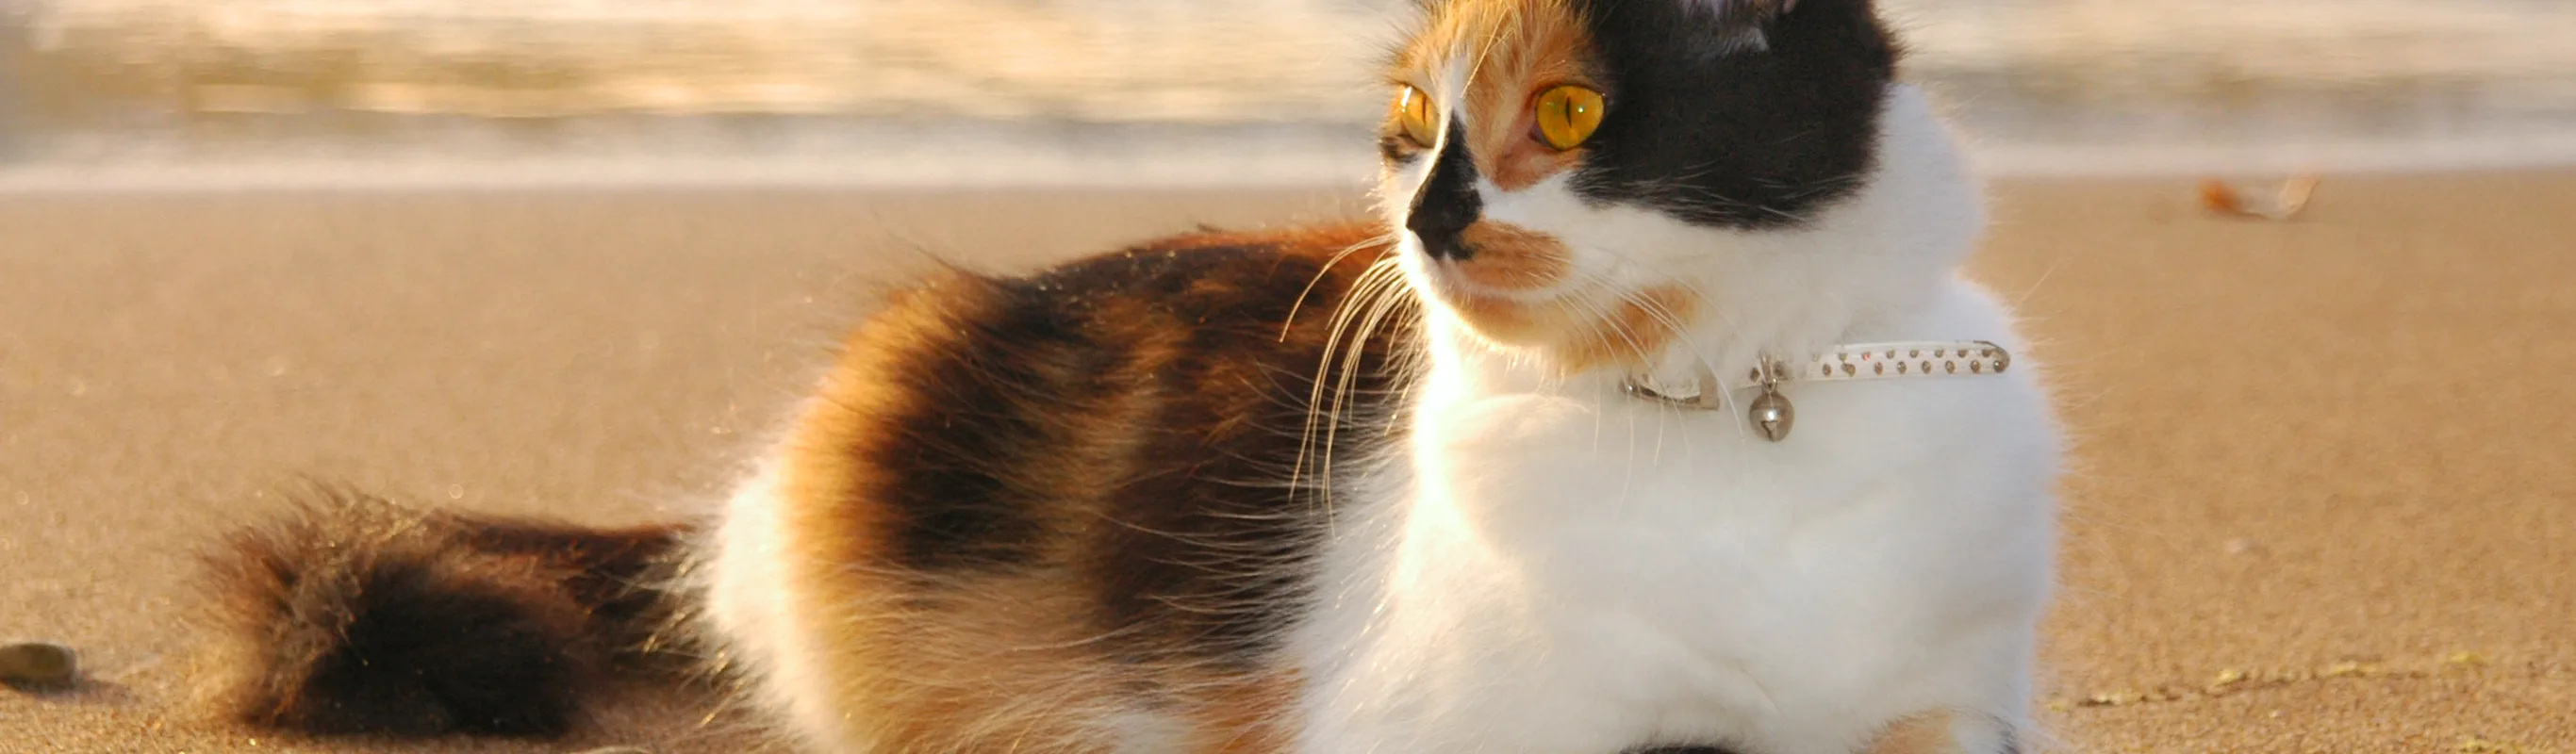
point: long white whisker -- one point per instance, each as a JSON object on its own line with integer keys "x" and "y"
{"x": 1384, "y": 240}
{"x": 1362, "y": 304}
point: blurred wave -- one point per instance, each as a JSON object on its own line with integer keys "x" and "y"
{"x": 178, "y": 81}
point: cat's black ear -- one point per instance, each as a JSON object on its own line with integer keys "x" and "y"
{"x": 1772, "y": 7}
{"x": 1747, "y": 9}
{"x": 1741, "y": 17}
{"x": 1753, "y": 22}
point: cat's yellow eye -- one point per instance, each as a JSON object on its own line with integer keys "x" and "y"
{"x": 1567, "y": 116}
{"x": 1413, "y": 112}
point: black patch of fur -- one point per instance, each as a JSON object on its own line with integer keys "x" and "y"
{"x": 1707, "y": 127}
{"x": 359, "y": 615}
{"x": 992, "y": 402}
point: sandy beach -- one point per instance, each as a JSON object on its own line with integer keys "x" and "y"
{"x": 2324, "y": 501}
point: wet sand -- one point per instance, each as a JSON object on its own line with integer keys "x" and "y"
{"x": 2325, "y": 498}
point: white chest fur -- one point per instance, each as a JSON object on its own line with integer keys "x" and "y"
{"x": 1571, "y": 571}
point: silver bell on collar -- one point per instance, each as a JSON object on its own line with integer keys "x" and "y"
{"x": 1772, "y": 413}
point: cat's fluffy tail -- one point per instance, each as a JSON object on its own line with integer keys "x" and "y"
{"x": 355, "y": 614}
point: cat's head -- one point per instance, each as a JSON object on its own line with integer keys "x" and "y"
{"x": 1610, "y": 183}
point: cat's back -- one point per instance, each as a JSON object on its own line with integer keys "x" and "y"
{"x": 1067, "y": 486}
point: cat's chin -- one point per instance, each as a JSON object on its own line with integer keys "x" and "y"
{"x": 1573, "y": 329}
{"x": 1455, "y": 284}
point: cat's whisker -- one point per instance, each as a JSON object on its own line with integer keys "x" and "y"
{"x": 1384, "y": 241}
{"x": 1344, "y": 310}
{"x": 1602, "y": 320}
{"x": 1396, "y": 293}
{"x": 1363, "y": 303}
{"x": 1701, "y": 304}
{"x": 1598, "y": 320}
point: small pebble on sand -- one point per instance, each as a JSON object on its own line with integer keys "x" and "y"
{"x": 38, "y": 665}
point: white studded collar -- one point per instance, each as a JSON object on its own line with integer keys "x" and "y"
{"x": 1772, "y": 413}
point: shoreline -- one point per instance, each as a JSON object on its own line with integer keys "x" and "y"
{"x": 924, "y": 157}
{"x": 855, "y": 175}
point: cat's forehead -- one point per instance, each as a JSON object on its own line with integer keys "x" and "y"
{"x": 1470, "y": 40}
{"x": 1487, "y": 40}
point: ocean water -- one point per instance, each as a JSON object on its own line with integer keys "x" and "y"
{"x": 969, "y": 91}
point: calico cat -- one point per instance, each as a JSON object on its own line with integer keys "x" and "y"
{"x": 1463, "y": 479}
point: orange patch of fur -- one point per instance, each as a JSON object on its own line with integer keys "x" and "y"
{"x": 1247, "y": 716}
{"x": 1517, "y": 50}
{"x": 1579, "y": 336}
{"x": 1635, "y": 328}
{"x": 826, "y": 521}
{"x": 1922, "y": 734}
{"x": 987, "y": 668}
{"x": 1512, "y": 258}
